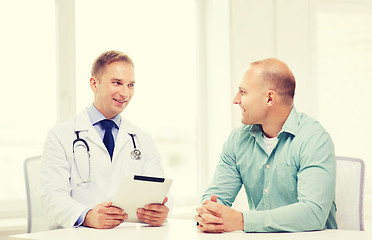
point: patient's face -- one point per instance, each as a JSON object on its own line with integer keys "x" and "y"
{"x": 251, "y": 97}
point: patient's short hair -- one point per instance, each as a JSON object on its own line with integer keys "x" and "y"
{"x": 278, "y": 76}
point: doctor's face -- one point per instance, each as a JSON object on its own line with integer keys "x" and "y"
{"x": 114, "y": 89}
{"x": 251, "y": 97}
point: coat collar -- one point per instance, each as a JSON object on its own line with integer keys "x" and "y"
{"x": 83, "y": 124}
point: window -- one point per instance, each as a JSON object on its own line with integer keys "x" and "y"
{"x": 344, "y": 55}
{"x": 159, "y": 36}
{"x": 28, "y": 99}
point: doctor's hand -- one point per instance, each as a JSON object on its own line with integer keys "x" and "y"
{"x": 154, "y": 214}
{"x": 217, "y": 218}
{"x": 104, "y": 215}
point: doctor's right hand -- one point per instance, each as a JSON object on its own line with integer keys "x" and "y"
{"x": 104, "y": 215}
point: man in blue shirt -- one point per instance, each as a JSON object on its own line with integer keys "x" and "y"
{"x": 284, "y": 159}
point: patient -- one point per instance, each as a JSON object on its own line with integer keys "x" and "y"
{"x": 284, "y": 159}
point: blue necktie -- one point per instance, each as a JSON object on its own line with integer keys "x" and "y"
{"x": 108, "y": 138}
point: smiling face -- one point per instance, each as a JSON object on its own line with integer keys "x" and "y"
{"x": 114, "y": 88}
{"x": 251, "y": 97}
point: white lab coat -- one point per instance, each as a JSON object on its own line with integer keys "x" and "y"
{"x": 63, "y": 197}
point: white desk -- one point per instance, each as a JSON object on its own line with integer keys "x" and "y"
{"x": 177, "y": 229}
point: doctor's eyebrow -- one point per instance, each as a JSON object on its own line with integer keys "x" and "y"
{"x": 122, "y": 81}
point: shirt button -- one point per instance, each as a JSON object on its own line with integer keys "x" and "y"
{"x": 266, "y": 190}
{"x": 267, "y": 166}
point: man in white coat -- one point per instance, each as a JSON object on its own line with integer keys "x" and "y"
{"x": 83, "y": 161}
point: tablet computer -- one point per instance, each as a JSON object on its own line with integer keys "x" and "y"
{"x": 137, "y": 191}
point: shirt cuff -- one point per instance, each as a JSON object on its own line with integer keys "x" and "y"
{"x": 81, "y": 219}
{"x": 253, "y": 221}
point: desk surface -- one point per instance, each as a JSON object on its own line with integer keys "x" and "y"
{"x": 185, "y": 229}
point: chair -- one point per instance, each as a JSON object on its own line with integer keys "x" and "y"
{"x": 349, "y": 193}
{"x": 36, "y": 220}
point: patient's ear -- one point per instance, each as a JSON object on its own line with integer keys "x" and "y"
{"x": 271, "y": 97}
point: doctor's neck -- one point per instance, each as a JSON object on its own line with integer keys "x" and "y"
{"x": 106, "y": 114}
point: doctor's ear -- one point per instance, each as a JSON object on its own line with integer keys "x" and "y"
{"x": 93, "y": 84}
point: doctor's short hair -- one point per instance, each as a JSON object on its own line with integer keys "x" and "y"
{"x": 106, "y": 58}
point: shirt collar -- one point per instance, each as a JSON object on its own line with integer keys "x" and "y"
{"x": 290, "y": 125}
{"x": 95, "y": 116}
{"x": 256, "y": 130}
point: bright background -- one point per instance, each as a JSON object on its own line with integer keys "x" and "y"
{"x": 188, "y": 56}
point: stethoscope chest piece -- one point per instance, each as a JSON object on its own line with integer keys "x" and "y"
{"x": 135, "y": 154}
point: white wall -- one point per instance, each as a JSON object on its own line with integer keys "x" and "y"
{"x": 215, "y": 85}
{"x": 280, "y": 29}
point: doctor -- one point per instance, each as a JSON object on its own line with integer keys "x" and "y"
{"x": 85, "y": 158}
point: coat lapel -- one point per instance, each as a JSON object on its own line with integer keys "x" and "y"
{"x": 123, "y": 137}
{"x": 84, "y": 125}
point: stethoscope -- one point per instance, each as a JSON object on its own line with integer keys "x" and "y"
{"x": 135, "y": 154}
